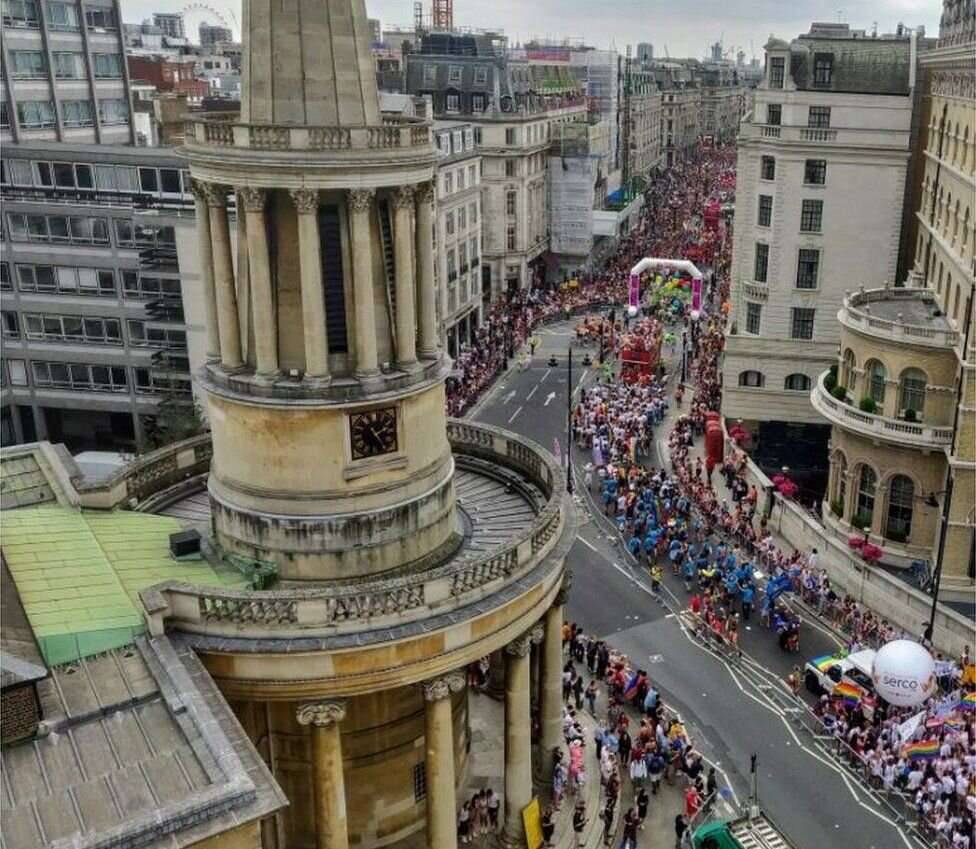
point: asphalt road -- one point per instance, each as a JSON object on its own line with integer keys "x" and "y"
{"x": 733, "y": 709}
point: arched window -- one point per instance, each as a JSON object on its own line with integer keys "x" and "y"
{"x": 797, "y": 382}
{"x": 867, "y": 483}
{"x": 751, "y": 378}
{"x": 913, "y": 382}
{"x": 839, "y": 503}
{"x": 955, "y": 298}
{"x": 875, "y": 375}
{"x": 901, "y": 495}
{"x": 847, "y": 372}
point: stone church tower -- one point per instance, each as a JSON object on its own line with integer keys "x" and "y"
{"x": 403, "y": 546}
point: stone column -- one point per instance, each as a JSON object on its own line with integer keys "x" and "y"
{"x": 262, "y": 298}
{"x": 518, "y": 739}
{"x": 328, "y": 783}
{"x": 425, "y": 271}
{"x": 223, "y": 273}
{"x": 206, "y": 271}
{"x": 550, "y": 704}
{"x": 313, "y": 297}
{"x": 439, "y": 760}
{"x": 406, "y": 312}
{"x": 360, "y": 204}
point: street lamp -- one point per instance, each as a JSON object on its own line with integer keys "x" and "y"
{"x": 569, "y": 422}
{"x": 937, "y": 577}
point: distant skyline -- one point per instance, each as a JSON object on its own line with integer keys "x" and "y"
{"x": 685, "y": 29}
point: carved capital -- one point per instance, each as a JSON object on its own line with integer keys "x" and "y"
{"x": 562, "y": 596}
{"x": 306, "y": 200}
{"x": 403, "y": 198}
{"x": 440, "y": 688}
{"x": 537, "y": 634}
{"x": 520, "y": 646}
{"x": 253, "y": 199}
{"x": 425, "y": 192}
{"x": 215, "y": 194}
{"x": 199, "y": 190}
{"x": 360, "y": 200}
{"x": 321, "y": 714}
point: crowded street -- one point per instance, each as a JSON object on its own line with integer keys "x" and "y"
{"x": 639, "y": 473}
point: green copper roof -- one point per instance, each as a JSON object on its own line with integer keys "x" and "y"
{"x": 79, "y": 574}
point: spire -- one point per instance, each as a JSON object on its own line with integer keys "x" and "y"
{"x": 308, "y": 62}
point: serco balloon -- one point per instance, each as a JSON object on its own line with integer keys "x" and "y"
{"x": 903, "y": 673}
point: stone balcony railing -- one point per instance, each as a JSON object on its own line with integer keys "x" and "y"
{"x": 756, "y": 291}
{"x": 369, "y": 605}
{"x": 845, "y": 136}
{"x": 856, "y": 314}
{"x": 220, "y": 130}
{"x": 910, "y": 434}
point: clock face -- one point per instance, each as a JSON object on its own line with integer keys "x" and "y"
{"x": 373, "y": 433}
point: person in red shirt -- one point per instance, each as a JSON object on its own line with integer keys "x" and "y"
{"x": 692, "y": 801}
{"x": 696, "y": 604}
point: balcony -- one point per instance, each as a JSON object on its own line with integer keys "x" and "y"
{"x": 909, "y": 316}
{"x": 871, "y": 426}
{"x": 840, "y": 136}
{"x": 755, "y": 291}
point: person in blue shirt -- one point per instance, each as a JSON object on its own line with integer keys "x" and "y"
{"x": 748, "y": 597}
{"x": 634, "y": 545}
{"x": 689, "y": 570}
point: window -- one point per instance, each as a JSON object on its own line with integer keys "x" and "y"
{"x": 4, "y": 116}
{"x": 848, "y": 365}
{"x": 419, "y": 782}
{"x": 5, "y": 283}
{"x": 17, "y": 370}
{"x": 73, "y": 328}
{"x": 479, "y": 103}
{"x": 819, "y": 116}
{"x": 761, "y": 269}
{"x": 448, "y": 182}
{"x": 768, "y": 168}
{"x": 510, "y": 135}
{"x": 815, "y": 172}
{"x": 35, "y": 114}
{"x": 797, "y": 383}
{"x": 463, "y": 257}
{"x": 875, "y": 374}
{"x": 462, "y": 219}
{"x": 753, "y": 318}
{"x": 510, "y": 238}
{"x": 807, "y": 267}
{"x": 107, "y": 65}
{"x": 473, "y": 251}
{"x": 148, "y": 180}
{"x": 477, "y": 135}
{"x": 27, "y": 64}
{"x": 811, "y": 216}
{"x": 135, "y": 285}
{"x": 774, "y": 114}
{"x": 451, "y": 266}
{"x": 454, "y": 74}
{"x": 62, "y": 16}
{"x": 823, "y": 65}
{"x": 453, "y": 103}
{"x": 511, "y": 198}
{"x": 473, "y": 212}
{"x": 113, "y": 111}
{"x": 765, "y": 210}
{"x": 901, "y": 495}
{"x": 59, "y": 228}
{"x": 509, "y": 167}
{"x": 751, "y": 379}
{"x": 11, "y": 326}
{"x": 100, "y": 17}
{"x": 143, "y": 336}
{"x": 912, "y": 392}
{"x": 77, "y": 113}
{"x": 66, "y": 279}
{"x": 801, "y": 326}
{"x": 866, "y": 484}
{"x": 777, "y": 71}
{"x": 68, "y": 66}
{"x": 430, "y": 74}
{"x": 449, "y": 223}
{"x": 480, "y": 75}
{"x": 20, "y": 13}
{"x": 460, "y": 179}
{"x": 80, "y": 376}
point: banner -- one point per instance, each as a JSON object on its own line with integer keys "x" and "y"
{"x": 634, "y": 290}
{"x": 532, "y": 822}
{"x": 696, "y": 293}
{"x": 907, "y": 728}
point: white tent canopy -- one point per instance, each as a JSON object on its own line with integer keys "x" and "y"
{"x": 653, "y": 262}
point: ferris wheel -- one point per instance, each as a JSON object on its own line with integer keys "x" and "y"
{"x": 195, "y": 14}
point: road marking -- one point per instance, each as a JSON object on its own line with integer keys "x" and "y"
{"x": 529, "y": 396}
{"x": 548, "y": 371}
{"x": 512, "y": 419}
{"x": 588, "y": 544}
{"x": 508, "y": 397}
{"x": 549, "y": 398}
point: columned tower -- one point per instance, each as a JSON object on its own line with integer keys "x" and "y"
{"x": 324, "y": 376}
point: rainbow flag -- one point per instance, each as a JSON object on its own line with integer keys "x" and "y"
{"x": 851, "y": 694}
{"x": 957, "y": 723}
{"x": 923, "y": 750}
{"x": 967, "y": 702}
{"x": 824, "y": 662}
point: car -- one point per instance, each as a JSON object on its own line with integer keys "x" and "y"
{"x": 823, "y": 674}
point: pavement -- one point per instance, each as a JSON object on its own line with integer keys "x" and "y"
{"x": 733, "y": 708}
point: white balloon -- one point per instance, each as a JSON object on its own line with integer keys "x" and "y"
{"x": 632, "y": 310}
{"x": 903, "y": 673}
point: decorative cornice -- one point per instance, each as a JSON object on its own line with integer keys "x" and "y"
{"x": 403, "y": 198}
{"x": 253, "y": 199}
{"x": 440, "y": 688}
{"x": 360, "y": 200}
{"x": 321, "y": 714}
{"x": 306, "y": 200}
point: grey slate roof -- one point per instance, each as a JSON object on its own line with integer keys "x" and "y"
{"x": 141, "y": 751}
{"x": 860, "y": 65}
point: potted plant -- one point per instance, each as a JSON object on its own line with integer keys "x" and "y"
{"x": 830, "y": 381}
{"x": 871, "y": 552}
{"x": 911, "y": 415}
{"x": 868, "y": 405}
{"x": 897, "y": 536}
{"x": 837, "y": 507}
{"x": 839, "y": 392}
{"x": 861, "y": 521}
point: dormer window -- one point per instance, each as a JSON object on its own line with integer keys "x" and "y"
{"x": 777, "y": 71}
{"x": 823, "y": 67}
